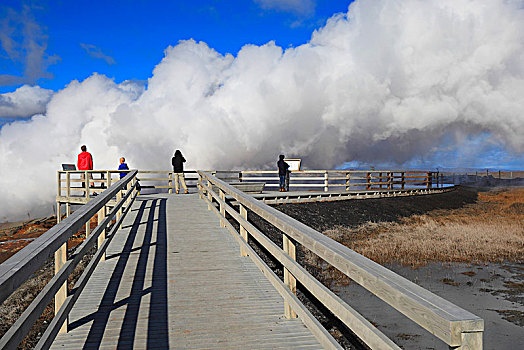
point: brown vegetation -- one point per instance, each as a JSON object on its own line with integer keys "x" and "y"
{"x": 491, "y": 230}
{"x": 14, "y": 237}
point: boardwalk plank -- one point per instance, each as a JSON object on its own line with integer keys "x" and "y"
{"x": 173, "y": 278}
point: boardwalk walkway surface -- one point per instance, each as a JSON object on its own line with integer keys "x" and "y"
{"x": 173, "y": 278}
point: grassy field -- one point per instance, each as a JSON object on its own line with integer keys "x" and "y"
{"x": 490, "y": 230}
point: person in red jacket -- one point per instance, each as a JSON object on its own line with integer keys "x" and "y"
{"x": 85, "y": 162}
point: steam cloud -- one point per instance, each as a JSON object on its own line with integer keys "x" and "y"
{"x": 24, "y": 102}
{"x": 389, "y": 81}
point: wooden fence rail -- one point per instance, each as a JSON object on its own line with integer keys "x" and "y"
{"x": 23, "y": 264}
{"x": 455, "y": 326}
{"x": 71, "y": 184}
{"x": 327, "y": 180}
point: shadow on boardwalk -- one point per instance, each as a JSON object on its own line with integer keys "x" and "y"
{"x": 157, "y": 330}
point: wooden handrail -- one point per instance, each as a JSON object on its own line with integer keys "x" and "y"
{"x": 450, "y": 323}
{"x": 381, "y": 179}
{"x": 312, "y": 179}
{"x": 23, "y": 264}
{"x": 107, "y": 180}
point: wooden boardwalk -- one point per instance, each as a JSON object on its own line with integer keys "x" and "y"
{"x": 173, "y": 278}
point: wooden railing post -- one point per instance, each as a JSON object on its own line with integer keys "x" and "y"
{"x": 326, "y": 181}
{"x": 289, "y": 280}
{"x": 108, "y": 179}
{"x": 347, "y": 181}
{"x": 403, "y": 180}
{"x": 60, "y": 260}
{"x": 243, "y": 231}
{"x": 222, "y": 196}
{"x": 68, "y": 184}
{"x": 118, "y": 199}
{"x": 209, "y": 195}
{"x": 170, "y": 182}
{"x": 390, "y": 180}
{"x": 88, "y": 228}
{"x": 200, "y": 187}
{"x": 470, "y": 341}
{"x": 429, "y": 179}
{"x": 380, "y": 180}
{"x": 86, "y": 177}
{"x": 368, "y": 186}
{"x": 58, "y": 214}
{"x": 128, "y": 189}
{"x": 59, "y": 183}
{"x": 101, "y": 216}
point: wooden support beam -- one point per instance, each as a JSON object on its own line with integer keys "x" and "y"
{"x": 222, "y": 196}
{"x": 101, "y": 216}
{"x": 289, "y": 280}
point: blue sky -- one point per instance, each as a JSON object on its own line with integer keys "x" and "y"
{"x": 50, "y": 43}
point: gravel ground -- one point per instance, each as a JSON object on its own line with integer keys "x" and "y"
{"x": 326, "y": 215}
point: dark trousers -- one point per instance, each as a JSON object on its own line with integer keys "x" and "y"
{"x": 282, "y": 182}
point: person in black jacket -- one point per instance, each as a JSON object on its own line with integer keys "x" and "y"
{"x": 282, "y": 172}
{"x": 178, "y": 168}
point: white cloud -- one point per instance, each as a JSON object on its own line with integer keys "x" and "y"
{"x": 24, "y": 41}
{"x": 97, "y": 53}
{"x": 387, "y": 82}
{"x": 298, "y": 7}
{"x": 24, "y": 102}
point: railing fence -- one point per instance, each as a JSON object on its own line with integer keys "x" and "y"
{"x": 455, "y": 326}
{"x": 17, "y": 269}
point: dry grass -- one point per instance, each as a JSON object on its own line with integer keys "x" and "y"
{"x": 491, "y": 230}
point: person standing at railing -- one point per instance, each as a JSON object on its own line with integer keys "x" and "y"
{"x": 178, "y": 168}
{"x": 85, "y": 162}
{"x": 282, "y": 172}
{"x": 123, "y": 166}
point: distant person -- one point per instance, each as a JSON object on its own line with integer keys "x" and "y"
{"x": 85, "y": 162}
{"x": 123, "y": 166}
{"x": 282, "y": 172}
{"x": 178, "y": 168}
